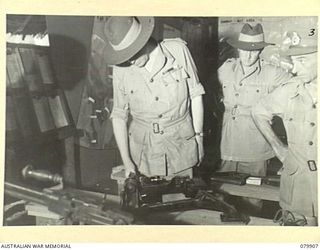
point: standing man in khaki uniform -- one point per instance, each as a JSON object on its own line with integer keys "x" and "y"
{"x": 160, "y": 89}
{"x": 245, "y": 80}
{"x": 296, "y": 104}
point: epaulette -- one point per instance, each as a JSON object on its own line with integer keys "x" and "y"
{"x": 178, "y": 39}
{"x": 230, "y": 60}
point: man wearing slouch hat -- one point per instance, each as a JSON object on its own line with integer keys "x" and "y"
{"x": 244, "y": 81}
{"x": 157, "y": 85}
{"x": 296, "y": 103}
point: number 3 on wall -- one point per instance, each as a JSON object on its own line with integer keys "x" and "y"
{"x": 312, "y": 32}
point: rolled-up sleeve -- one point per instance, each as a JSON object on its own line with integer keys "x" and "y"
{"x": 120, "y": 100}
{"x": 195, "y": 87}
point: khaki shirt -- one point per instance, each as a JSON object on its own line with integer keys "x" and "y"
{"x": 296, "y": 103}
{"x": 161, "y": 134}
{"x": 241, "y": 140}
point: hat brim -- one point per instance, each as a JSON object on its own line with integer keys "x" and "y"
{"x": 296, "y": 51}
{"x": 246, "y": 45}
{"x": 114, "y": 57}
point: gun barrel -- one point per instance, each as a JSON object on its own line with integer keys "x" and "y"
{"x": 27, "y": 194}
{"x": 77, "y": 209}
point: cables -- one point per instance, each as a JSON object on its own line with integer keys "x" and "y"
{"x": 287, "y": 218}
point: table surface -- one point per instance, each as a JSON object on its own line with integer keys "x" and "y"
{"x": 263, "y": 192}
{"x": 199, "y": 216}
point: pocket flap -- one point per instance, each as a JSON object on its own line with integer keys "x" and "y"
{"x": 186, "y": 130}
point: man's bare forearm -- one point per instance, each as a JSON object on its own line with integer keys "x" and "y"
{"x": 197, "y": 119}
{"x": 121, "y": 135}
{"x": 197, "y": 113}
{"x": 265, "y": 128}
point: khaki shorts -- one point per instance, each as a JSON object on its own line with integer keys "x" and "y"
{"x": 256, "y": 168}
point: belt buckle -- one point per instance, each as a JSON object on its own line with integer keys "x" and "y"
{"x": 312, "y": 165}
{"x": 156, "y": 128}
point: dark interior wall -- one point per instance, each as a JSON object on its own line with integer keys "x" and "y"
{"x": 33, "y": 135}
{"x": 70, "y": 45}
{"x": 70, "y": 39}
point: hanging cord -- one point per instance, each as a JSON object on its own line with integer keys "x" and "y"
{"x": 286, "y": 218}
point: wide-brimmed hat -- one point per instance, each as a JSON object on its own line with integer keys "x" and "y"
{"x": 125, "y": 36}
{"x": 250, "y": 38}
{"x": 301, "y": 42}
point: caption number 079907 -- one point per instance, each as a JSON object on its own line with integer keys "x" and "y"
{"x": 309, "y": 246}
{"x": 312, "y": 32}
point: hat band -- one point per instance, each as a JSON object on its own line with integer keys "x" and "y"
{"x": 251, "y": 39}
{"x": 130, "y": 37}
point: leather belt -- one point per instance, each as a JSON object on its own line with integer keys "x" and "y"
{"x": 159, "y": 127}
{"x": 236, "y": 110}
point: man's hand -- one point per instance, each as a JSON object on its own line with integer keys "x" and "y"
{"x": 281, "y": 152}
{"x": 129, "y": 168}
{"x": 199, "y": 140}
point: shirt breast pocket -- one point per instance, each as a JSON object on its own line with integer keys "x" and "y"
{"x": 294, "y": 122}
{"x": 175, "y": 82}
{"x": 137, "y": 97}
{"x": 254, "y": 92}
{"x": 174, "y": 75}
{"x": 229, "y": 94}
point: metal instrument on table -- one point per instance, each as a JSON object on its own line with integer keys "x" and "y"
{"x": 143, "y": 194}
{"x": 74, "y": 206}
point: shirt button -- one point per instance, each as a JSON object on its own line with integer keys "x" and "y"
{"x": 312, "y": 124}
{"x": 310, "y": 143}
{"x": 156, "y": 98}
{"x": 160, "y": 116}
{"x": 237, "y": 94}
{"x": 258, "y": 90}
{"x": 131, "y": 91}
{"x": 151, "y": 80}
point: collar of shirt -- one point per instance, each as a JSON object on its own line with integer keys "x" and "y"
{"x": 152, "y": 59}
{"x": 256, "y": 67}
{"x": 157, "y": 60}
